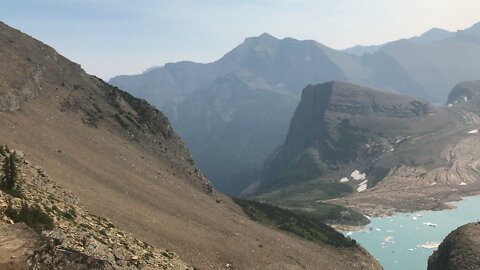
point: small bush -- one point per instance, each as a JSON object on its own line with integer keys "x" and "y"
{"x": 33, "y": 216}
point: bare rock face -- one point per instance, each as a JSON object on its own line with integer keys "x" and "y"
{"x": 460, "y": 250}
{"x": 465, "y": 99}
{"x": 23, "y": 248}
{"x": 339, "y": 128}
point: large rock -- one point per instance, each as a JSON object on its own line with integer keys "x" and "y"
{"x": 460, "y": 250}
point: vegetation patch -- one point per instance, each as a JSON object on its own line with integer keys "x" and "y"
{"x": 326, "y": 212}
{"x": 9, "y": 173}
{"x": 304, "y": 226}
{"x": 33, "y": 216}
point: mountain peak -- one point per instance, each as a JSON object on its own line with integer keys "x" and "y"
{"x": 267, "y": 36}
{"x": 432, "y": 35}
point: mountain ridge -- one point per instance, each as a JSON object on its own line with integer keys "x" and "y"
{"x": 123, "y": 160}
{"x": 425, "y": 69}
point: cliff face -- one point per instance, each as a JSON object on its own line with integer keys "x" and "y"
{"x": 376, "y": 148}
{"x": 465, "y": 97}
{"x": 459, "y": 250}
{"x": 339, "y": 128}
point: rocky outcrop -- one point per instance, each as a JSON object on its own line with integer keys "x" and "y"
{"x": 75, "y": 239}
{"x": 465, "y": 99}
{"x": 339, "y": 128}
{"x": 376, "y": 152}
{"x": 460, "y": 250}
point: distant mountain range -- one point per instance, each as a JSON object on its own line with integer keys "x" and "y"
{"x": 235, "y": 111}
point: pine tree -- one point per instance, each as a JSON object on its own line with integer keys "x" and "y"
{"x": 12, "y": 174}
{"x": 2, "y": 151}
{"x": 5, "y": 172}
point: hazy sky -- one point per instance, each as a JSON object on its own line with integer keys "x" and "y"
{"x": 111, "y": 37}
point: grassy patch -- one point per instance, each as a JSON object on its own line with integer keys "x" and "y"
{"x": 304, "y": 226}
{"x": 326, "y": 212}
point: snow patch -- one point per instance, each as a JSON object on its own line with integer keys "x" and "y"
{"x": 463, "y": 184}
{"x": 466, "y": 99}
{"x": 450, "y": 105}
{"x": 356, "y": 175}
{"x": 343, "y": 180}
{"x": 362, "y": 186}
{"x": 475, "y": 131}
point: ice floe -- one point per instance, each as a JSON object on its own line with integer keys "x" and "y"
{"x": 343, "y": 180}
{"x": 430, "y": 245}
{"x": 356, "y": 175}
{"x": 389, "y": 239}
{"x": 475, "y": 131}
{"x": 414, "y": 218}
{"x": 430, "y": 224}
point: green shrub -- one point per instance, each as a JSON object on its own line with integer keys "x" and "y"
{"x": 9, "y": 178}
{"x": 33, "y": 216}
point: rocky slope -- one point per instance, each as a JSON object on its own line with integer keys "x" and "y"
{"x": 70, "y": 237}
{"x": 459, "y": 250}
{"x": 271, "y": 69}
{"x": 387, "y": 152}
{"x": 120, "y": 157}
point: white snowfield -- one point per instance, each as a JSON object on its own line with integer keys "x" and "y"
{"x": 356, "y": 175}
{"x": 475, "y": 131}
{"x": 362, "y": 186}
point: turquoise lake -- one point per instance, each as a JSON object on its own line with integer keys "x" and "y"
{"x": 397, "y": 241}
